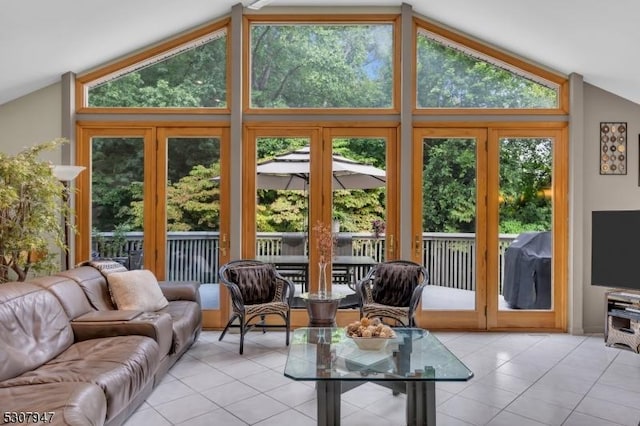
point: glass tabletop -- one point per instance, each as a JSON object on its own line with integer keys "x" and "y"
{"x": 414, "y": 354}
{"x": 328, "y": 296}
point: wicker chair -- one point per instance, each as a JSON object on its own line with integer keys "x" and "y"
{"x": 256, "y": 290}
{"x": 392, "y": 290}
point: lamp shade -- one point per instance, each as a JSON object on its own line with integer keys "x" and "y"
{"x": 66, "y": 173}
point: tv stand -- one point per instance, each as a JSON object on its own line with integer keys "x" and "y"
{"x": 622, "y": 326}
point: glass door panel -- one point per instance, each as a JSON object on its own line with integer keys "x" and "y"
{"x": 359, "y": 197}
{"x": 282, "y": 205}
{"x": 449, "y": 222}
{"x": 450, "y": 225}
{"x": 525, "y": 223}
{"x": 193, "y": 212}
{"x": 117, "y": 193}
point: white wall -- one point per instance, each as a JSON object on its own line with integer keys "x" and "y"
{"x": 32, "y": 119}
{"x": 605, "y": 192}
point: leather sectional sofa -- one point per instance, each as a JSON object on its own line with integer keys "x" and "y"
{"x": 69, "y": 357}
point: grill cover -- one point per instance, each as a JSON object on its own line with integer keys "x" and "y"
{"x": 527, "y": 271}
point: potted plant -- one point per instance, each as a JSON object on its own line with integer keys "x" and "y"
{"x": 31, "y": 212}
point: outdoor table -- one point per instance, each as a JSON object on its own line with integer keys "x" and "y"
{"x": 302, "y": 262}
{"x": 410, "y": 363}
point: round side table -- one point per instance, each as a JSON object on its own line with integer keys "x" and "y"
{"x": 322, "y": 308}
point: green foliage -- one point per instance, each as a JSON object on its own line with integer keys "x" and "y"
{"x": 321, "y": 66}
{"x": 448, "y": 78}
{"x": 194, "y": 78}
{"x": 31, "y": 209}
{"x": 449, "y": 185}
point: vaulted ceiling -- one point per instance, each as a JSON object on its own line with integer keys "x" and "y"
{"x": 42, "y": 39}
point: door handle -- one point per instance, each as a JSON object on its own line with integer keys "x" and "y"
{"x": 223, "y": 244}
{"x": 417, "y": 245}
{"x": 392, "y": 245}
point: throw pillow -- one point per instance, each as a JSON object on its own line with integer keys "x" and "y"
{"x": 106, "y": 266}
{"x": 136, "y": 290}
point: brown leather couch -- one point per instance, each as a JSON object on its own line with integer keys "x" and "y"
{"x": 69, "y": 355}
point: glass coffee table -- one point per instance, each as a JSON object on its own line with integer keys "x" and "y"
{"x": 410, "y": 363}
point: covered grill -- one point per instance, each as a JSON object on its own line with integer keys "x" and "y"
{"x": 527, "y": 271}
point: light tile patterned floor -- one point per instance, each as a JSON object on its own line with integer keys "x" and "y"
{"x": 520, "y": 379}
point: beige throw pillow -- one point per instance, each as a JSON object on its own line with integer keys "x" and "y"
{"x": 136, "y": 290}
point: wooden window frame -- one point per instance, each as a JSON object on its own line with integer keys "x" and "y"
{"x": 83, "y": 81}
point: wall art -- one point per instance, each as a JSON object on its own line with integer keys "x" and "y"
{"x": 613, "y": 148}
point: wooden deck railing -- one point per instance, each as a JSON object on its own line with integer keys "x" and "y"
{"x": 449, "y": 257}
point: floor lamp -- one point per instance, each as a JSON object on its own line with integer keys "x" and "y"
{"x": 66, "y": 175}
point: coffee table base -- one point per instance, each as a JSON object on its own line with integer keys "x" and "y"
{"x": 420, "y": 408}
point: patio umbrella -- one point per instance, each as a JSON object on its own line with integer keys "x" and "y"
{"x": 291, "y": 171}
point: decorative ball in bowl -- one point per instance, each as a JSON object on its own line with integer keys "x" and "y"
{"x": 369, "y": 333}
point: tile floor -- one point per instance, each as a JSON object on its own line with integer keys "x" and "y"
{"x": 520, "y": 379}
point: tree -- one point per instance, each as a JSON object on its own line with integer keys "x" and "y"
{"x": 193, "y": 78}
{"x": 450, "y": 78}
{"x": 31, "y": 208}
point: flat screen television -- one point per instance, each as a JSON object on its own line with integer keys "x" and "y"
{"x": 615, "y": 249}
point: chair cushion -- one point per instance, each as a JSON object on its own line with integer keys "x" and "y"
{"x": 394, "y": 284}
{"x": 136, "y": 290}
{"x": 256, "y": 282}
{"x": 186, "y": 319}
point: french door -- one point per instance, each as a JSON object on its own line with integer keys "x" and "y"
{"x": 156, "y": 198}
{"x": 480, "y": 194}
{"x": 342, "y": 178}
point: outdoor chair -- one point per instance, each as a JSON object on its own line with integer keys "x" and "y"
{"x": 293, "y": 245}
{"x": 256, "y": 290}
{"x": 392, "y": 290}
{"x": 343, "y": 274}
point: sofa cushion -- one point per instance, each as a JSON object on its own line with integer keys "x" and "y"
{"x": 122, "y": 366}
{"x": 73, "y": 404}
{"x": 68, "y": 292}
{"x": 186, "y": 319}
{"x": 94, "y": 285}
{"x": 136, "y": 290}
{"x": 33, "y": 328}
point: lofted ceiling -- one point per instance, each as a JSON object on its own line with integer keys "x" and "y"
{"x": 42, "y": 39}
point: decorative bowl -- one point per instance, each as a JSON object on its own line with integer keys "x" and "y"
{"x": 370, "y": 343}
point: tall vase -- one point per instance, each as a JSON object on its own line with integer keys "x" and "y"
{"x": 322, "y": 278}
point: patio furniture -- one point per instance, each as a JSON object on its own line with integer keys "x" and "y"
{"x": 256, "y": 290}
{"x": 392, "y": 290}
{"x": 303, "y": 261}
{"x": 293, "y": 245}
{"x": 343, "y": 274}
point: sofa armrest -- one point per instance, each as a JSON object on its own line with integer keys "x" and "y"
{"x": 181, "y": 290}
{"x": 155, "y": 325}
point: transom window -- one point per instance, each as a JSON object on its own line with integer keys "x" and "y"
{"x": 321, "y": 65}
{"x": 451, "y": 75}
{"x": 190, "y": 75}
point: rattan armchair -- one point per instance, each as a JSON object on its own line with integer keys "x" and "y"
{"x": 256, "y": 290}
{"x": 392, "y": 290}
